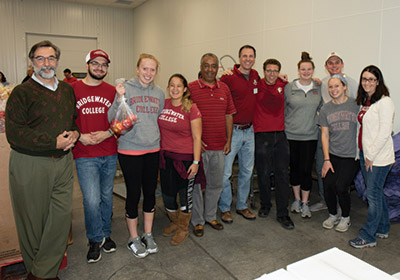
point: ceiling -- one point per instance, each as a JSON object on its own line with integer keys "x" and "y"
{"x": 110, "y": 3}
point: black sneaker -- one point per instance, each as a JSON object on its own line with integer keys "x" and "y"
{"x": 109, "y": 245}
{"x": 263, "y": 212}
{"x": 285, "y": 222}
{"x": 94, "y": 254}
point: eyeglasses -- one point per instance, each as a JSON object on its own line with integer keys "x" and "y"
{"x": 98, "y": 65}
{"x": 42, "y": 59}
{"x": 370, "y": 80}
{"x": 272, "y": 71}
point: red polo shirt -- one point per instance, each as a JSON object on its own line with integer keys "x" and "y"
{"x": 243, "y": 93}
{"x": 214, "y": 103}
{"x": 270, "y": 108}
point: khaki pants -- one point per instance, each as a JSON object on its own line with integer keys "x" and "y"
{"x": 41, "y": 194}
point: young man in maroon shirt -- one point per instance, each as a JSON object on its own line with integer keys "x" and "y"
{"x": 96, "y": 153}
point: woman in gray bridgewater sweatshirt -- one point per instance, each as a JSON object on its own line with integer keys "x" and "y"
{"x": 138, "y": 151}
{"x": 302, "y": 102}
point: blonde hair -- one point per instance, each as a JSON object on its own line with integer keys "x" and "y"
{"x": 149, "y": 56}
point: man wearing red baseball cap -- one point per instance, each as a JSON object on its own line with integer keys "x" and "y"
{"x": 96, "y": 53}
{"x": 96, "y": 153}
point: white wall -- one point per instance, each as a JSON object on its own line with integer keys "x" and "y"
{"x": 178, "y": 32}
{"x": 364, "y": 32}
{"x": 113, "y": 28}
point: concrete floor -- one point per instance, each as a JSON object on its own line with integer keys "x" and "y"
{"x": 243, "y": 250}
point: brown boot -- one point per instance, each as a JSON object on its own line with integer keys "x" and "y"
{"x": 183, "y": 228}
{"x": 173, "y": 226}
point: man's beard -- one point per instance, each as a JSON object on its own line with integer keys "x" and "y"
{"x": 40, "y": 71}
{"x": 97, "y": 77}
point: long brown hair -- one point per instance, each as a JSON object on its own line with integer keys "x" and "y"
{"x": 186, "y": 100}
{"x": 381, "y": 89}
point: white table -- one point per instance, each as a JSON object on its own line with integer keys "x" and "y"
{"x": 332, "y": 264}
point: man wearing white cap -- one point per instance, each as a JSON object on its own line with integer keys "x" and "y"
{"x": 96, "y": 153}
{"x": 334, "y": 65}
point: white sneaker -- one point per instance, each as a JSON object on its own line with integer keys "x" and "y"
{"x": 296, "y": 206}
{"x": 382, "y": 235}
{"x": 137, "y": 247}
{"x": 332, "y": 221}
{"x": 148, "y": 241}
{"x": 343, "y": 225}
{"x": 305, "y": 210}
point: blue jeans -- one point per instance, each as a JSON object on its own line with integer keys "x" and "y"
{"x": 242, "y": 145}
{"x": 378, "y": 216}
{"x": 96, "y": 178}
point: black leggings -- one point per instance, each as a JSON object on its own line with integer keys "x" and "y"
{"x": 301, "y": 162}
{"x": 338, "y": 183}
{"x": 172, "y": 184}
{"x": 140, "y": 172}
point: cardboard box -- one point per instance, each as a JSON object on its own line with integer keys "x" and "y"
{"x": 9, "y": 247}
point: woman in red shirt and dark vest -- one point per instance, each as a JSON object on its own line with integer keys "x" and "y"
{"x": 180, "y": 128}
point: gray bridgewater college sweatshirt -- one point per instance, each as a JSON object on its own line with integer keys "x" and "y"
{"x": 146, "y": 103}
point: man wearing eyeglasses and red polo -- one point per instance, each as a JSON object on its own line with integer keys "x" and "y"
{"x": 96, "y": 153}
{"x": 41, "y": 130}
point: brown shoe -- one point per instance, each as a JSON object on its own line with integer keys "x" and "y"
{"x": 216, "y": 225}
{"x": 226, "y": 217}
{"x": 247, "y": 214}
{"x": 198, "y": 230}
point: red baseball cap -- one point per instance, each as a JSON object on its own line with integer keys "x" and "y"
{"x": 95, "y": 53}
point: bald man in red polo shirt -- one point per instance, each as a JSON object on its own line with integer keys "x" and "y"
{"x": 214, "y": 100}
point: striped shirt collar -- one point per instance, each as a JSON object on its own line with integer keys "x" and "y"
{"x": 203, "y": 85}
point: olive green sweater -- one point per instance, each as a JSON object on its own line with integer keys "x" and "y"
{"x": 35, "y": 116}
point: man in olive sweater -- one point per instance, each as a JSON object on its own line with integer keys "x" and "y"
{"x": 41, "y": 130}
